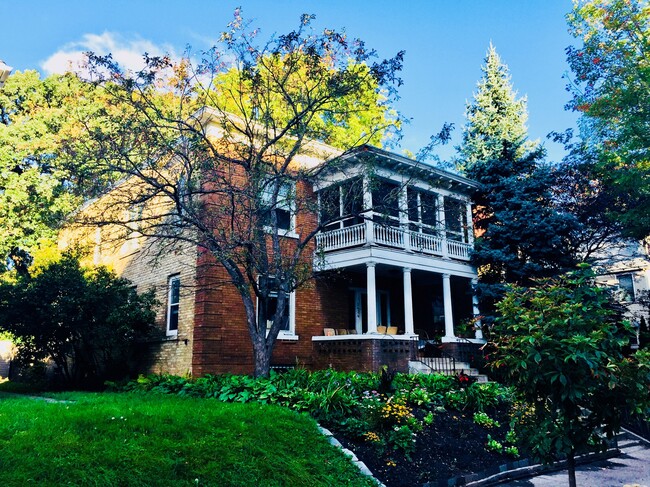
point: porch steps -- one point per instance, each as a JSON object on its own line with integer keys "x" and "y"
{"x": 444, "y": 366}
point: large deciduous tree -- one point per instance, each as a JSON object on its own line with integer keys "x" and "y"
{"x": 35, "y": 191}
{"x": 562, "y": 345}
{"x": 611, "y": 88}
{"x": 225, "y": 151}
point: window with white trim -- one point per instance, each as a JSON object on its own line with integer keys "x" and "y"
{"x": 385, "y": 201}
{"x": 284, "y": 207}
{"x": 266, "y": 311}
{"x": 173, "y": 304}
{"x": 626, "y": 287}
{"x": 456, "y": 220}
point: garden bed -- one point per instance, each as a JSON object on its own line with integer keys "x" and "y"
{"x": 453, "y": 445}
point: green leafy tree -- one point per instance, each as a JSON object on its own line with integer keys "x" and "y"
{"x": 495, "y": 117}
{"x": 237, "y": 190}
{"x": 562, "y": 344}
{"x": 87, "y": 321}
{"x": 36, "y": 192}
{"x": 611, "y": 88}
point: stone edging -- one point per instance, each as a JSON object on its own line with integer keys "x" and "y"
{"x": 360, "y": 465}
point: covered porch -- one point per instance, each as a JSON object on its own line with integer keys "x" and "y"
{"x": 380, "y": 298}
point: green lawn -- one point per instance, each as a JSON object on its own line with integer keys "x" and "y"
{"x": 153, "y": 440}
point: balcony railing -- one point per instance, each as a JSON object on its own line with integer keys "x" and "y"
{"x": 400, "y": 238}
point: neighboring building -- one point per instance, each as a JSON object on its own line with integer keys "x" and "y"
{"x": 625, "y": 268}
{"x": 380, "y": 277}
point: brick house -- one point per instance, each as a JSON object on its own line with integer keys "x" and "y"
{"x": 381, "y": 277}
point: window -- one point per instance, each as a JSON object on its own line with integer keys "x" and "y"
{"x": 284, "y": 205}
{"x": 266, "y": 311}
{"x": 173, "y": 303}
{"x": 133, "y": 222}
{"x": 626, "y": 287}
{"x": 422, "y": 211}
{"x": 385, "y": 201}
{"x": 456, "y": 220}
{"x": 341, "y": 205}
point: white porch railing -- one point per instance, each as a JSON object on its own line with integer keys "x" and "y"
{"x": 341, "y": 238}
{"x": 458, "y": 250}
{"x": 355, "y": 235}
{"x": 391, "y": 236}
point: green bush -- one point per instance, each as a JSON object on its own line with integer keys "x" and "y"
{"x": 86, "y": 320}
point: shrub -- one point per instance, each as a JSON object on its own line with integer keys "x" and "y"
{"x": 86, "y": 320}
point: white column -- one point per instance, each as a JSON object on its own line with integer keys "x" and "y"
{"x": 408, "y": 303}
{"x": 470, "y": 224}
{"x": 371, "y": 293}
{"x": 446, "y": 296}
{"x": 368, "y": 212}
{"x": 404, "y": 216}
{"x": 442, "y": 226}
{"x": 478, "y": 334}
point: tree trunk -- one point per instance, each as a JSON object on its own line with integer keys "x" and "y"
{"x": 261, "y": 357}
{"x": 571, "y": 467}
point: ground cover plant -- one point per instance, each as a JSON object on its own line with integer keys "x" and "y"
{"x": 147, "y": 440}
{"x": 409, "y": 429}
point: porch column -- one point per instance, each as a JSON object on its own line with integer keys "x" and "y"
{"x": 368, "y": 213}
{"x": 408, "y": 302}
{"x": 371, "y": 293}
{"x": 446, "y": 296}
{"x": 442, "y": 225}
{"x": 470, "y": 225}
{"x": 475, "y": 311}
{"x": 404, "y": 216}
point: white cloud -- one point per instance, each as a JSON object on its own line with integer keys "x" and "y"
{"x": 127, "y": 52}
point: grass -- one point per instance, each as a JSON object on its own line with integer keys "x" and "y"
{"x": 151, "y": 440}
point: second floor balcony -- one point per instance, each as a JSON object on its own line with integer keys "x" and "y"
{"x": 372, "y": 233}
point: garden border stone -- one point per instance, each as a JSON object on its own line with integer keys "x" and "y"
{"x": 360, "y": 465}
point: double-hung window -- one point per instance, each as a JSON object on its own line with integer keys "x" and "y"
{"x": 266, "y": 310}
{"x": 284, "y": 207}
{"x": 173, "y": 304}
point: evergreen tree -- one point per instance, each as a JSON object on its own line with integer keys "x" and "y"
{"x": 521, "y": 234}
{"x": 495, "y": 116}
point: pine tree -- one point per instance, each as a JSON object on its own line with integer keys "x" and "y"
{"x": 494, "y": 117}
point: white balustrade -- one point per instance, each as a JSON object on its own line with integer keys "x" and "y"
{"x": 458, "y": 250}
{"x": 394, "y": 237}
{"x": 389, "y": 236}
{"x": 341, "y": 238}
{"x": 429, "y": 244}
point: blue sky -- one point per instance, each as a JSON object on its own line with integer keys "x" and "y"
{"x": 445, "y": 44}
